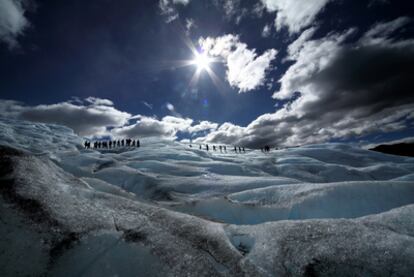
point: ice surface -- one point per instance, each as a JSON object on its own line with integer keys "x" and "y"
{"x": 328, "y": 209}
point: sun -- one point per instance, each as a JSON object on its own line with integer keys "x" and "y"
{"x": 202, "y": 61}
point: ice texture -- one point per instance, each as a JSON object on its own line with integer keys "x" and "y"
{"x": 166, "y": 209}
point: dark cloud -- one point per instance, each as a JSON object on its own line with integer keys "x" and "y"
{"x": 93, "y": 117}
{"x": 97, "y": 117}
{"x": 346, "y": 89}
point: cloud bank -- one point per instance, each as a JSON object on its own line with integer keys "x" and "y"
{"x": 97, "y": 117}
{"x": 335, "y": 90}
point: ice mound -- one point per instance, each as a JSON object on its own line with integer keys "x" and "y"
{"x": 69, "y": 211}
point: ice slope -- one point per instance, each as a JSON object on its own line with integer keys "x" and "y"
{"x": 67, "y": 211}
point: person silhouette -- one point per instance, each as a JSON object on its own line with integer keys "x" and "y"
{"x": 239, "y": 149}
{"x": 95, "y": 144}
{"x": 207, "y": 147}
{"x": 235, "y": 149}
{"x": 133, "y": 143}
{"x": 244, "y": 151}
{"x": 200, "y": 147}
{"x": 225, "y": 148}
{"x": 214, "y": 147}
{"x": 110, "y": 144}
{"x": 138, "y": 143}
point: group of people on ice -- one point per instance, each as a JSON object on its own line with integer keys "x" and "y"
{"x": 237, "y": 149}
{"x": 113, "y": 143}
{"x": 265, "y": 149}
{"x": 221, "y": 148}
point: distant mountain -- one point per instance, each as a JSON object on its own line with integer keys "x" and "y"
{"x": 401, "y": 149}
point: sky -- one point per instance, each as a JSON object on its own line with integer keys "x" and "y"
{"x": 250, "y": 73}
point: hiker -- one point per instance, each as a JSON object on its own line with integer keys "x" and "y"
{"x": 200, "y": 147}
{"x": 122, "y": 143}
{"x": 239, "y": 149}
{"x": 110, "y": 144}
{"x": 138, "y": 143}
{"x": 225, "y": 149}
{"x": 220, "y": 148}
{"x": 244, "y": 151}
{"x": 99, "y": 144}
{"x": 133, "y": 143}
{"x": 95, "y": 144}
{"x": 207, "y": 147}
{"x": 235, "y": 149}
{"x": 214, "y": 147}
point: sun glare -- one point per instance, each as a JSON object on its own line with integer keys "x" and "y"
{"x": 202, "y": 61}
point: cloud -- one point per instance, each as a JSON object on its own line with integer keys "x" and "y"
{"x": 169, "y": 10}
{"x": 12, "y": 21}
{"x": 97, "y": 117}
{"x": 166, "y": 128}
{"x": 99, "y": 101}
{"x": 379, "y": 32}
{"x": 170, "y": 107}
{"x": 172, "y": 110}
{"x": 93, "y": 117}
{"x": 245, "y": 69}
{"x": 267, "y": 29}
{"x": 295, "y": 15}
{"x": 189, "y": 25}
{"x": 202, "y": 127}
{"x": 233, "y": 9}
{"x": 336, "y": 90}
{"x": 148, "y": 105}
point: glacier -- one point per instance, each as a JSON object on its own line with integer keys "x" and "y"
{"x": 167, "y": 209}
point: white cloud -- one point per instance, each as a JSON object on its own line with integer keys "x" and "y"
{"x": 170, "y": 107}
{"x": 294, "y": 14}
{"x": 165, "y": 128}
{"x": 311, "y": 56}
{"x": 148, "y": 105}
{"x": 379, "y": 32}
{"x": 169, "y": 10}
{"x": 99, "y": 101}
{"x": 203, "y": 126}
{"x": 12, "y": 21}
{"x": 267, "y": 29}
{"x": 245, "y": 69}
{"x": 189, "y": 25}
{"x": 345, "y": 90}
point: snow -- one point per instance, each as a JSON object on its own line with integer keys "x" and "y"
{"x": 166, "y": 209}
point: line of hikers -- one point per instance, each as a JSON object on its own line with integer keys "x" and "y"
{"x": 221, "y": 148}
{"x": 265, "y": 149}
{"x": 113, "y": 143}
